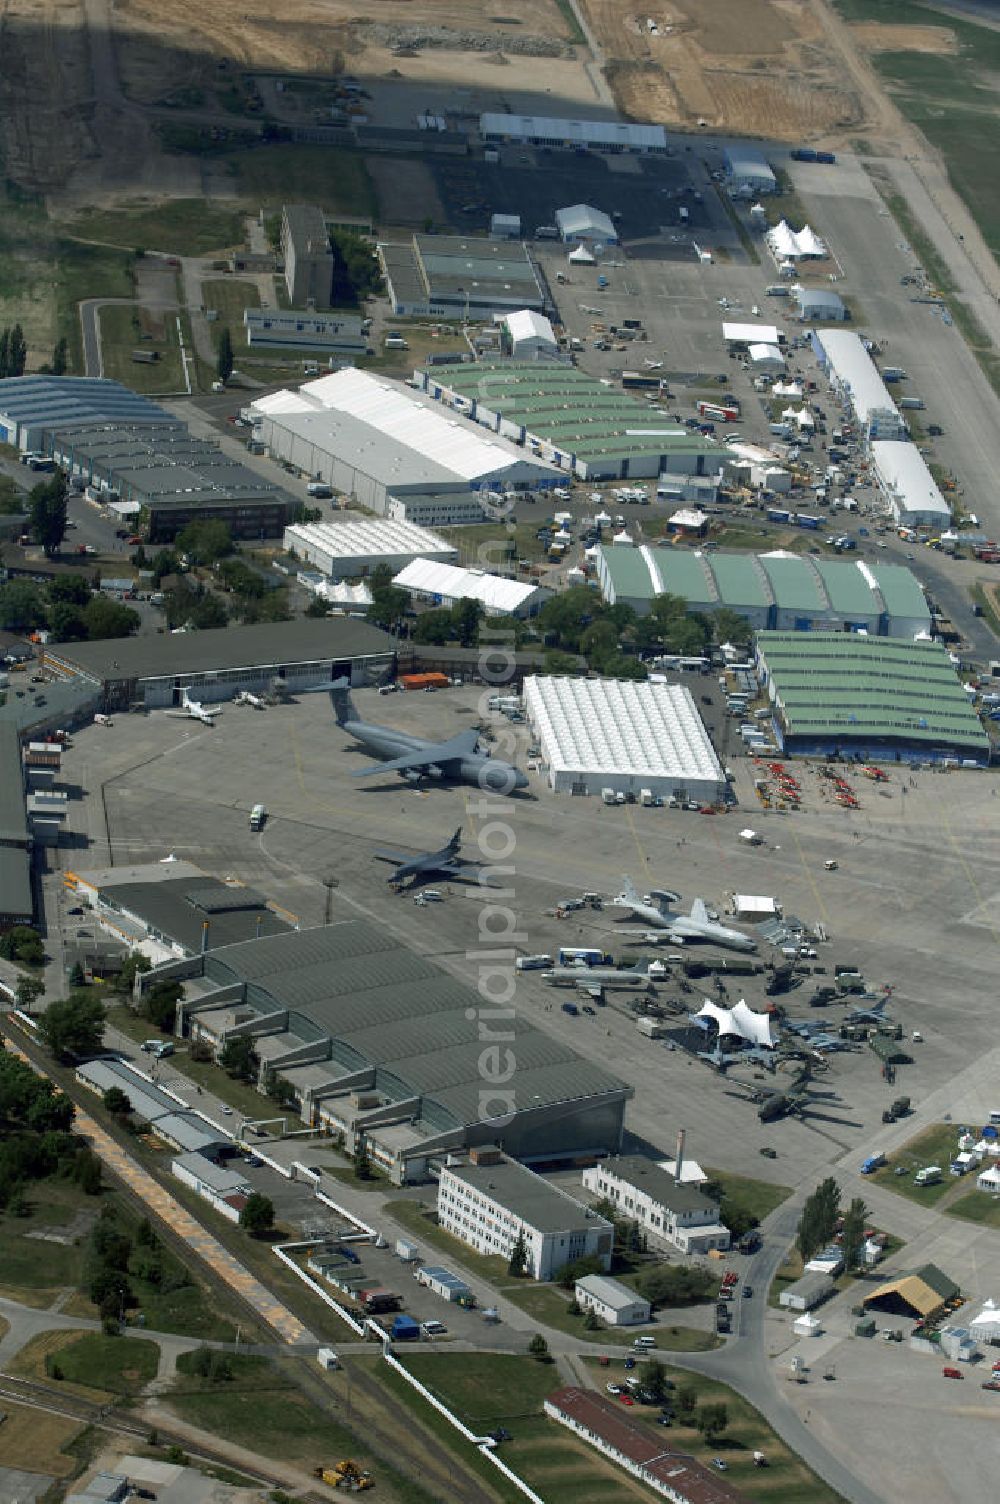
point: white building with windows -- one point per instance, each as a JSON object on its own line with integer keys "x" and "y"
{"x": 492, "y": 1200}
{"x": 855, "y": 378}
{"x": 612, "y": 1301}
{"x": 668, "y": 1209}
{"x": 346, "y": 550}
{"x": 909, "y": 488}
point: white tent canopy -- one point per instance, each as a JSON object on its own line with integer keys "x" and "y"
{"x": 787, "y": 244}
{"x": 581, "y": 256}
{"x": 741, "y": 1021}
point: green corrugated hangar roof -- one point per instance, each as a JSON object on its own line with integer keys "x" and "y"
{"x": 845, "y": 685}
{"x": 571, "y": 410}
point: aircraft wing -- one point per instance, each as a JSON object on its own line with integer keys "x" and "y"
{"x": 463, "y": 745}
{"x": 402, "y": 857}
{"x": 699, "y": 911}
{"x": 456, "y": 868}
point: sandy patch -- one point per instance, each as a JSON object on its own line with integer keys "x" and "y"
{"x": 875, "y": 37}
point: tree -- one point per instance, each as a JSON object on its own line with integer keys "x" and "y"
{"x": 22, "y": 944}
{"x": 257, "y": 1216}
{"x": 60, "y": 358}
{"x": 317, "y": 607}
{"x": 205, "y": 542}
{"x": 27, "y": 991}
{"x": 539, "y": 1348}
{"x": 819, "y": 1218}
{"x": 435, "y": 627}
{"x": 159, "y": 1003}
{"x": 712, "y": 1420}
{"x": 17, "y": 357}
{"x": 77, "y": 976}
{"x": 591, "y": 1321}
{"x": 4, "y": 353}
{"x": 47, "y": 511}
{"x": 135, "y": 964}
{"x": 74, "y": 589}
{"x": 561, "y": 663}
{"x": 853, "y": 1232}
{"x": 67, "y": 623}
{"x": 104, "y": 618}
{"x": 466, "y": 616}
{"x": 576, "y": 1269}
{"x": 22, "y": 607}
{"x": 687, "y": 1399}
{"x": 730, "y": 626}
{"x": 676, "y": 1285}
{"x": 117, "y": 1102}
{"x": 237, "y": 1057}
{"x": 517, "y": 1268}
{"x": 653, "y": 1377}
{"x": 73, "y": 1026}
{"x": 361, "y": 1162}
{"x": 224, "y": 360}
{"x": 356, "y": 272}
{"x": 389, "y": 606}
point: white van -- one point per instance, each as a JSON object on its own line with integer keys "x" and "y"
{"x": 643, "y": 1342}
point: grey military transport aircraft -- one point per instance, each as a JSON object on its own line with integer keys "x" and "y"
{"x": 415, "y": 757}
{"x": 443, "y": 863}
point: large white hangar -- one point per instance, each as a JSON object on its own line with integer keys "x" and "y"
{"x": 348, "y": 550}
{"x": 378, "y": 440}
{"x": 624, "y": 735}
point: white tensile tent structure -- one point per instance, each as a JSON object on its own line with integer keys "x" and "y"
{"x": 986, "y": 1326}
{"x": 754, "y": 1028}
{"x": 786, "y": 244}
{"x": 581, "y": 257}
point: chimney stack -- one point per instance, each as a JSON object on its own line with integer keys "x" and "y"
{"x": 681, "y": 1136}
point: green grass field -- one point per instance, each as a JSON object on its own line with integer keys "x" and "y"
{"x": 976, "y": 1206}
{"x": 179, "y": 227}
{"x": 413, "y": 1215}
{"x": 758, "y": 1198}
{"x": 336, "y": 180}
{"x": 34, "y": 1270}
{"x": 936, "y": 1145}
{"x": 123, "y": 330}
{"x": 117, "y": 1365}
{"x": 229, "y": 296}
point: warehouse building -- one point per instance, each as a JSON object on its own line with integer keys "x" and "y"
{"x": 171, "y": 910}
{"x": 152, "y": 673}
{"x": 586, "y": 226}
{"x": 747, "y": 172}
{"x": 671, "y": 1210}
{"x": 854, "y": 377}
{"x": 380, "y": 1045}
{"x": 616, "y": 1304}
{"x": 32, "y": 406}
{"x": 594, "y": 135}
{"x": 566, "y": 418}
{"x": 867, "y": 698}
{"x": 460, "y": 277}
{"x": 819, "y": 305}
{"x": 741, "y": 336}
{"x": 351, "y": 550}
{"x": 168, "y": 478}
{"x": 910, "y": 491}
{"x": 303, "y": 329}
{"x": 806, "y": 1293}
{"x": 493, "y": 1202}
{"x": 307, "y": 256}
{"x": 529, "y": 335}
{"x": 446, "y": 584}
{"x": 180, "y": 1129}
{"x": 775, "y": 592}
{"x": 623, "y": 735}
{"x": 377, "y": 440}
{"x": 16, "y": 895}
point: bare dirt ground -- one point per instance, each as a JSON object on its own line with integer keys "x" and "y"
{"x": 874, "y": 37}
{"x": 44, "y": 87}
{"x": 753, "y": 66}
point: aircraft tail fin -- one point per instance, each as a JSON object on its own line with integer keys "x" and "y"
{"x": 456, "y": 840}
{"x": 340, "y": 699}
{"x": 628, "y": 893}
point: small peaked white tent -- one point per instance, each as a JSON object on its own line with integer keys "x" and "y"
{"x": 581, "y": 257}
{"x": 741, "y": 1021}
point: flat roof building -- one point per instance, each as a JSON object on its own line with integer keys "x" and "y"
{"x": 624, "y": 735}
{"x": 307, "y": 256}
{"x": 868, "y": 698}
{"x": 596, "y": 135}
{"x": 343, "y": 550}
{"x": 381, "y": 1045}
{"x": 379, "y": 441}
{"x": 908, "y": 486}
{"x": 671, "y": 1210}
{"x": 775, "y": 592}
{"x": 461, "y": 277}
{"x": 493, "y": 1202}
{"x": 305, "y": 329}
{"x": 854, "y": 376}
{"x": 16, "y": 895}
{"x": 445, "y": 584}
{"x": 171, "y": 477}
{"x": 30, "y": 406}
{"x": 264, "y": 658}
{"x": 564, "y": 417}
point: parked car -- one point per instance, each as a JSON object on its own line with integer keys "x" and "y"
{"x": 952, "y": 1373}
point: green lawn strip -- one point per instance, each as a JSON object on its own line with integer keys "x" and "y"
{"x": 758, "y": 1198}
{"x": 117, "y": 1365}
{"x": 180, "y": 227}
{"x": 245, "y": 1100}
{"x": 37, "y": 1265}
{"x": 785, "y": 1477}
{"x": 413, "y": 1215}
{"x": 986, "y": 599}
{"x": 122, "y": 332}
{"x": 936, "y": 1145}
{"x": 229, "y": 297}
{"x": 788, "y": 1271}
{"x": 976, "y": 1206}
{"x": 86, "y": 271}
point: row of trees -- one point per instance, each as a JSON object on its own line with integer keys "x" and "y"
{"x": 821, "y": 1218}
{"x": 35, "y": 1141}
{"x": 13, "y": 351}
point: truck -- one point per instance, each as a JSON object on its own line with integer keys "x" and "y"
{"x": 914, "y": 404}
{"x": 683, "y": 215}
{"x": 728, "y": 412}
{"x": 892, "y": 374}
{"x": 872, "y": 1163}
{"x": 532, "y": 963}
{"x": 404, "y": 1329}
{"x": 574, "y": 955}
{"x": 775, "y": 514}
{"x": 723, "y": 1321}
{"x": 653, "y": 1028}
{"x": 930, "y": 1175}
{"x": 777, "y": 290}
{"x": 828, "y": 158}
{"x": 377, "y": 1298}
{"x": 407, "y": 1251}
{"x": 258, "y": 816}
{"x": 804, "y": 154}
{"x": 804, "y": 519}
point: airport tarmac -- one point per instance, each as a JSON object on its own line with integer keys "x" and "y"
{"x": 913, "y": 901}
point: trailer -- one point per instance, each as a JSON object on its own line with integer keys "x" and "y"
{"x": 446, "y": 1284}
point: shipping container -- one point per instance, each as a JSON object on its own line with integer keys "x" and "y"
{"x": 424, "y": 681}
{"x": 804, "y": 154}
